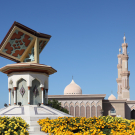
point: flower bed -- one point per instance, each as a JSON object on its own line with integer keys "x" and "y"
{"x": 13, "y": 126}
{"x": 88, "y": 126}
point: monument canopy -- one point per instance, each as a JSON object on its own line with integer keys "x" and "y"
{"x": 22, "y": 44}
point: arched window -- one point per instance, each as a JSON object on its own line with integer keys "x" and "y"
{"x": 112, "y": 111}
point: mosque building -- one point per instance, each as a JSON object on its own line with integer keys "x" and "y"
{"x": 89, "y": 105}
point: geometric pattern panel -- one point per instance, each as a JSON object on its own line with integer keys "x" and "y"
{"x": 22, "y": 91}
{"x": 93, "y": 111}
{"x": 87, "y": 112}
{"x": 77, "y": 111}
{"x": 17, "y": 44}
{"x": 82, "y": 111}
{"x": 72, "y": 110}
{"x": 98, "y": 111}
{"x": 41, "y": 45}
{"x": 30, "y": 56}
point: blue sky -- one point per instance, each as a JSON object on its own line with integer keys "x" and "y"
{"x": 86, "y": 36}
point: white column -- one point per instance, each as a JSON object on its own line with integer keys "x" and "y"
{"x": 74, "y": 110}
{"x": 42, "y": 95}
{"x": 9, "y": 96}
{"x": 85, "y": 109}
{"x": 69, "y": 109}
{"x": 28, "y": 95}
{"x": 96, "y": 109}
{"x": 46, "y": 96}
{"x": 90, "y": 109}
{"x": 14, "y": 95}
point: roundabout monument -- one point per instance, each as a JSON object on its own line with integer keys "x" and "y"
{"x": 27, "y": 79}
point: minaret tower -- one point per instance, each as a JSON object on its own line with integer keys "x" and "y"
{"x": 119, "y": 66}
{"x": 123, "y": 73}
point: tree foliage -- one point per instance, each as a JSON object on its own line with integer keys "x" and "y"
{"x": 57, "y": 105}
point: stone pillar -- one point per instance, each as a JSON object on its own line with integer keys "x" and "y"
{"x": 9, "y": 96}
{"x": 42, "y": 95}
{"x": 74, "y": 110}
{"x": 15, "y": 95}
{"x": 47, "y": 96}
{"x": 29, "y": 95}
{"x": 96, "y": 109}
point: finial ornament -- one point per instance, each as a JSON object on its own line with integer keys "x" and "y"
{"x": 111, "y": 92}
{"x": 124, "y": 38}
{"x": 72, "y": 77}
{"x": 119, "y": 50}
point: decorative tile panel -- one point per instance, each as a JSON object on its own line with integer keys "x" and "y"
{"x": 17, "y": 44}
{"x": 41, "y": 45}
{"x": 22, "y": 91}
{"x": 30, "y": 56}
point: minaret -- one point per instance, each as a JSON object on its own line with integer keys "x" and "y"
{"x": 119, "y": 83}
{"x": 123, "y": 73}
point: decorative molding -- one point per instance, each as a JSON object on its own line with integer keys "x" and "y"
{"x": 87, "y": 104}
{"x": 82, "y": 104}
{"x": 125, "y": 73}
{"x": 66, "y": 104}
{"x": 9, "y": 90}
{"x": 119, "y": 66}
{"x": 76, "y": 104}
{"x": 71, "y": 104}
{"x": 99, "y": 103}
{"x": 93, "y": 104}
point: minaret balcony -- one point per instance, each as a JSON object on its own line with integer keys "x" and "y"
{"x": 124, "y": 45}
{"x": 124, "y": 57}
{"x": 119, "y": 55}
{"x": 118, "y": 80}
{"x": 125, "y": 73}
{"x": 119, "y": 66}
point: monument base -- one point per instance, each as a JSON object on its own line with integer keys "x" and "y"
{"x": 31, "y": 114}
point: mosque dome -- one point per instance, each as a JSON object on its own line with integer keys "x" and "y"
{"x": 112, "y": 97}
{"x": 72, "y": 88}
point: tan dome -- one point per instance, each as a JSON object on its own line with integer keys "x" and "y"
{"x": 112, "y": 97}
{"x": 72, "y": 88}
